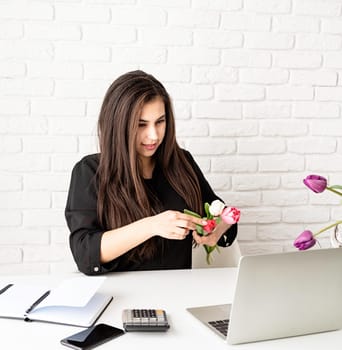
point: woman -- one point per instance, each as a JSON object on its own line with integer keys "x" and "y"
{"x": 125, "y": 205}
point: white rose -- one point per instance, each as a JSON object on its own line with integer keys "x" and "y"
{"x": 216, "y": 207}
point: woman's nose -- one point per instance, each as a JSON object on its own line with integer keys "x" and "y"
{"x": 152, "y": 133}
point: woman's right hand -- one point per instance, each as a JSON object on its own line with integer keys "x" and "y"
{"x": 173, "y": 224}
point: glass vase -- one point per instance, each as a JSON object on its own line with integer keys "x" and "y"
{"x": 336, "y": 237}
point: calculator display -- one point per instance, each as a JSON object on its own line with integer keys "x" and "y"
{"x": 145, "y": 320}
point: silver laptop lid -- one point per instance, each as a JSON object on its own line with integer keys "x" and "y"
{"x": 288, "y": 294}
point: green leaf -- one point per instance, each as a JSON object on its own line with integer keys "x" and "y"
{"x": 189, "y": 212}
{"x": 207, "y": 212}
{"x": 199, "y": 230}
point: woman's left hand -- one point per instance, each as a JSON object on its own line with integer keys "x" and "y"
{"x": 209, "y": 240}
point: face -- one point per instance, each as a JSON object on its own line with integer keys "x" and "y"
{"x": 151, "y": 130}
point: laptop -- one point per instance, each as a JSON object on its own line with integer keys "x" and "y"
{"x": 280, "y": 295}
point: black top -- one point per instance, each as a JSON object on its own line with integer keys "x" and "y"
{"x": 86, "y": 231}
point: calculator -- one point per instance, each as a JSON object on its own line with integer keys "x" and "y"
{"x": 149, "y": 320}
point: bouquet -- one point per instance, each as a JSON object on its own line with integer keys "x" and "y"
{"x": 307, "y": 239}
{"x": 215, "y": 212}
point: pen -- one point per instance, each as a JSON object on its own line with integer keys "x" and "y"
{"x": 38, "y": 301}
{"x": 3, "y": 290}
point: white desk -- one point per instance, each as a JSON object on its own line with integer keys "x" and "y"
{"x": 172, "y": 290}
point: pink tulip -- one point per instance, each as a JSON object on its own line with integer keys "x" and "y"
{"x": 305, "y": 240}
{"x": 230, "y": 215}
{"x": 209, "y": 227}
{"x": 316, "y": 183}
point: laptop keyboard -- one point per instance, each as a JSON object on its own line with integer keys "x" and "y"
{"x": 221, "y": 326}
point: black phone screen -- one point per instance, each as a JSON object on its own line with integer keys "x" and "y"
{"x": 92, "y": 337}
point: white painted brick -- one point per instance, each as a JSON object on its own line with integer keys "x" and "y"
{"x": 263, "y": 76}
{"x": 272, "y": 41}
{"x": 10, "y": 144}
{"x": 12, "y": 69}
{"x": 191, "y": 128}
{"x": 315, "y": 110}
{"x": 234, "y": 164}
{"x": 318, "y": 7}
{"x": 330, "y": 163}
{"x": 23, "y": 125}
{"x": 245, "y": 21}
{"x": 166, "y": 36}
{"x": 218, "y": 39}
{"x": 261, "y": 146}
{"x": 304, "y": 214}
{"x": 10, "y": 182}
{"x": 168, "y": 72}
{"x": 12, "y": 200}
{"x": 257, "y": 110}
{"x": 77, "y": 13}
{"x": 193, "y": 56}
{"x": 293, "y": 181}
{"x": 314, "y": 78}
{"x": 108, "y": 33}
{"x": 318, "y": 42}
{"x": 17, "y": 9}
{"x": 211, "y": 147}
{"x": 333, "y": 60}
{"x": 47, "y": 182}
{"x": 10, "y": 218}
{"x": 193, "y": 18}
{"x": 81, "y": 89}
{"x": 329, "y": 94}
{"x": 67, "y": 126}
{"x": 10, "y": 255}
{"x": 279, "y": 231}
{"x": 294, "y": 24}
{"x": 52, "y": 31}
{"x": 79, "y": 52}
{"x": 297, "y": 60}
{"x": 203, "y": 163}
{"x": 138, "y": 55}
{"x": 11, "y": 30}
{"x": 239, "y": 199}
{"x": 43, "y": 218}
{"x": 291, "y": 93}
{"x": 330, "y": 25}
{"x": 26, "y": 49}
{"x": 173, "y": 3}
{"x": 283, "y": 128}
{"x": 225, "y": 5}
{"x": 50, "y": 144}
{"x": 88, "y": 144}
{"x": 65, "y": 163}
{"x": 57, "y": 107}
{"x": 325, "y": 198}
{"x": 239, "y": 93}
{"x": 217, "y": 110}
{"x": 59, "y": 70}
{"x": 204, "y": 75}
{"x": 268, "y": 6}
{"x": 312, "y": 145}
{"x": 326, "y": 128}
{"x": 255, "y": 182}
{"x": 24, "y": 269}
{"x": 246, "y": 58}
{"x": 25, "y": 236}
{"x": 190, "y": 91}
{"x": 277, "y": 163}
{"x": 261, "y": 215}
{"x": 219, "y": 182}
{"x": 26, "y": 87}
{"x": 60, "y": 235}
{"x": 63, "y": 267}
{"x": 182, "y": 110}
{"x": 281, "y": 198}
{"x": 147, "y": 16}
{"x": 247, "y": 233}
{"x": 59, "y": 200}
{"x": 233, "y": 128}
{"x": 44, "y": 254}
{"x": 261, "y": 248}
{"x": 20, "y": 162}
{"x": 104, "y": 71}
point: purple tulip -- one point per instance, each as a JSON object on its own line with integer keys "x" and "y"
{"x": 305, "y": 240}
{"x": 316, "y": 183}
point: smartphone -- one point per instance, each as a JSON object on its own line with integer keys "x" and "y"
{"x": 92, "y": 337}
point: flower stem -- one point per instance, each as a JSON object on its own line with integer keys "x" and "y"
{"x": 333, "y": 190}
{"x": 328, "y": 227}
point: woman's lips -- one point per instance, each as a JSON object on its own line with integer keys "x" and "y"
{"x": 150, "y": 147}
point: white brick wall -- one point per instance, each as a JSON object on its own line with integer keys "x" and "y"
{"x": 256, "y": 86}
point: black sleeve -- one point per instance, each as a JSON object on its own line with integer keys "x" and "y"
{"x": 208, "y": 195}
{"x": 81, "y": 217}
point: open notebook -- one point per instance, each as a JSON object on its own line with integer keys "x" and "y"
{"x": 75, "y": 301}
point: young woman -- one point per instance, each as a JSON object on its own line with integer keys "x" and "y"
{"x": 125, "y": 205}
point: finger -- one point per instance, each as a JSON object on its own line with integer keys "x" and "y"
{"x": 192, "y": 219}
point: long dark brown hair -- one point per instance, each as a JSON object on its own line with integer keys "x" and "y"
{"x": 122, "y": 195}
